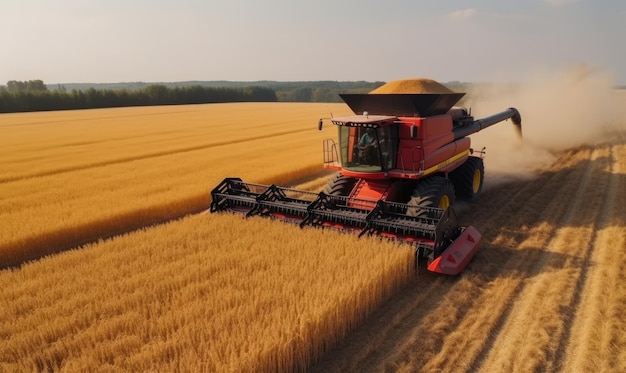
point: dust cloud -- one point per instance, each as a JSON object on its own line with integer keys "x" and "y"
{"x": 560, "y": 110}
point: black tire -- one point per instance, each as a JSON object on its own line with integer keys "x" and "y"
{"x": 339, "y": 185}
{"x": 434, "y": 191}
{"x": 468, "y": 179}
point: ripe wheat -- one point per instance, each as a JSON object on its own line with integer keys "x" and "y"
{"x": 70, "y": 177}
{"x": 207, "y": 293}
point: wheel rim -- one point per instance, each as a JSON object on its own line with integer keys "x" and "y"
{"x": 444, "y": 202}
{"x": 476, "y": 181}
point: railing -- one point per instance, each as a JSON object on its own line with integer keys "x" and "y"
{"x": 331, "y": 156}
{"x": 412, "y": 163}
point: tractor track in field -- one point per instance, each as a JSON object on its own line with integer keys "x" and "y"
{"x": 538, "y": 241}
{"x": 602, "y": 220}
{"x": 518, "y": 313}
{"x": 559, "y": 353}
{"x": 82, "y": 120}
{"x": 164, "y": 153}
{"x": 70, "y": 238}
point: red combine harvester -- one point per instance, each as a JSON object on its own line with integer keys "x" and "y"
{"x": 403, "y": 160}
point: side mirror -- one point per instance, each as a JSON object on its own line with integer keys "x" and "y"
{"x": 320, "y": 124}
{"x": 413, "y": 131}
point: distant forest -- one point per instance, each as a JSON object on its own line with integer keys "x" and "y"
{"x": 35, "y": 95}
{"x": 298, "y": 91}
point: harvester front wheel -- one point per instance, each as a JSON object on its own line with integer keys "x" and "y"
{"x": 435, "y": 191}
{"x": 468, "y": 179}
{"x": 339, "y": 185}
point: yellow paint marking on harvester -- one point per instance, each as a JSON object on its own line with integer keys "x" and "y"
{"x": 446, "y": 162}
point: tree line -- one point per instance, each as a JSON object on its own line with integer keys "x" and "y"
{"x": 314, "y": 91}
{"x": 34, "y": 95}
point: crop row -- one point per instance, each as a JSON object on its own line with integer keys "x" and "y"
{"x": 73, "y": 177}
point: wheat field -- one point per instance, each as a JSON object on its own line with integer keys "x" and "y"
{"x": 70, "y": 177}
{"x": 205, "y": 293}
{"x": 546, "y": 291}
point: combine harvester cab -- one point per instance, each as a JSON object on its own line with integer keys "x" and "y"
{"x": 402, "y": 161}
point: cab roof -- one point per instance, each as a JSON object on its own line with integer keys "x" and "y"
{"x": 365, "y": 120}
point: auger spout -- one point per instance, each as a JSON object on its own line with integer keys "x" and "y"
{"x": 481, "y": 124}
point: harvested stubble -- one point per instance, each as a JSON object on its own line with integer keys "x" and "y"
{"x": 67, "y": 178}
{"x": 207, "y": 293}
{"x": 545, "y": 292}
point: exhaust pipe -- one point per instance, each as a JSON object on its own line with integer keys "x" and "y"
{"x": 480, "y": 124}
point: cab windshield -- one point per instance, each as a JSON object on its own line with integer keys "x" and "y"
{"x": 367, "y": 149}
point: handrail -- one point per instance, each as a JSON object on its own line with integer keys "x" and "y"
{"x": 331, "y": 157}
{"x": 420, "y": 170}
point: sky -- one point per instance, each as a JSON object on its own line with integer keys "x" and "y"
{"x": 107, "y": 41}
